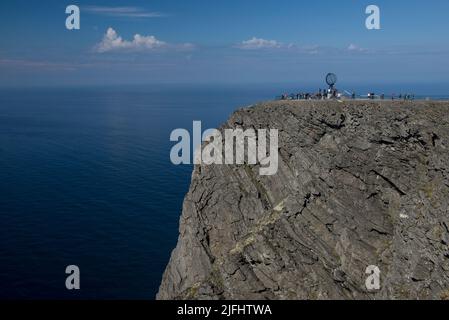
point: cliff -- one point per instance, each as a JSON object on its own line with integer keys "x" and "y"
{"x": 359, "y": 183}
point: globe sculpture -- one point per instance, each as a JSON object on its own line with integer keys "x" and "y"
{"x": 331, "y": 79}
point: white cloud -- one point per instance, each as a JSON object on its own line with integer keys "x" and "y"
{"x": 355, "y": 48}
{"x": 184, "y": 46}
{"x": 113, "y": 42}
{"x": 258, "y": 43}
{"x": 310, "y": 49}
{"x": 128, "y": 12}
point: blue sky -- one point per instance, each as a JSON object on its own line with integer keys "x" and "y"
{"x": 226, "y": 41}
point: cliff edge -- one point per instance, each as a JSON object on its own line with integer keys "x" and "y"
{"x": 360, "y": 183}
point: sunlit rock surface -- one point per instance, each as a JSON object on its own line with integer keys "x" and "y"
{"x": 359, "y": 183}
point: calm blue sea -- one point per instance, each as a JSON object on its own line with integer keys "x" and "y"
{"x": 86, "y": 179}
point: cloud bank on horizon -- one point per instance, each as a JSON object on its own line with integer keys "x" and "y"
{"x": 112, "y": 42}
{"x": 258, "y": 43}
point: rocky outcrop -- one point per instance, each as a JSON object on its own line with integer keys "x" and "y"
{"x": 359, "y": 184}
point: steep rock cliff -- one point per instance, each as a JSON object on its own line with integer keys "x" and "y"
{"x": 359, "y": 184}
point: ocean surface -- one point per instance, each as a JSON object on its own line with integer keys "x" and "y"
{"x": 86, "y": 180}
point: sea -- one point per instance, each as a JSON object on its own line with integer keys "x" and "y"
{"x": 86, "y": 180}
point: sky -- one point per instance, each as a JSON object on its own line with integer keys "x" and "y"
{"x": 222, "y": 41}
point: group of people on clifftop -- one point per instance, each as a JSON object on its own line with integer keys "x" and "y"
{"x": 320, "y": 95}
{"x": 404, "y": 96}
{"x": 332, "y": 93}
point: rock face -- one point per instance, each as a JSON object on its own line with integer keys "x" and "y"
{"x": 359, "y": 184}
